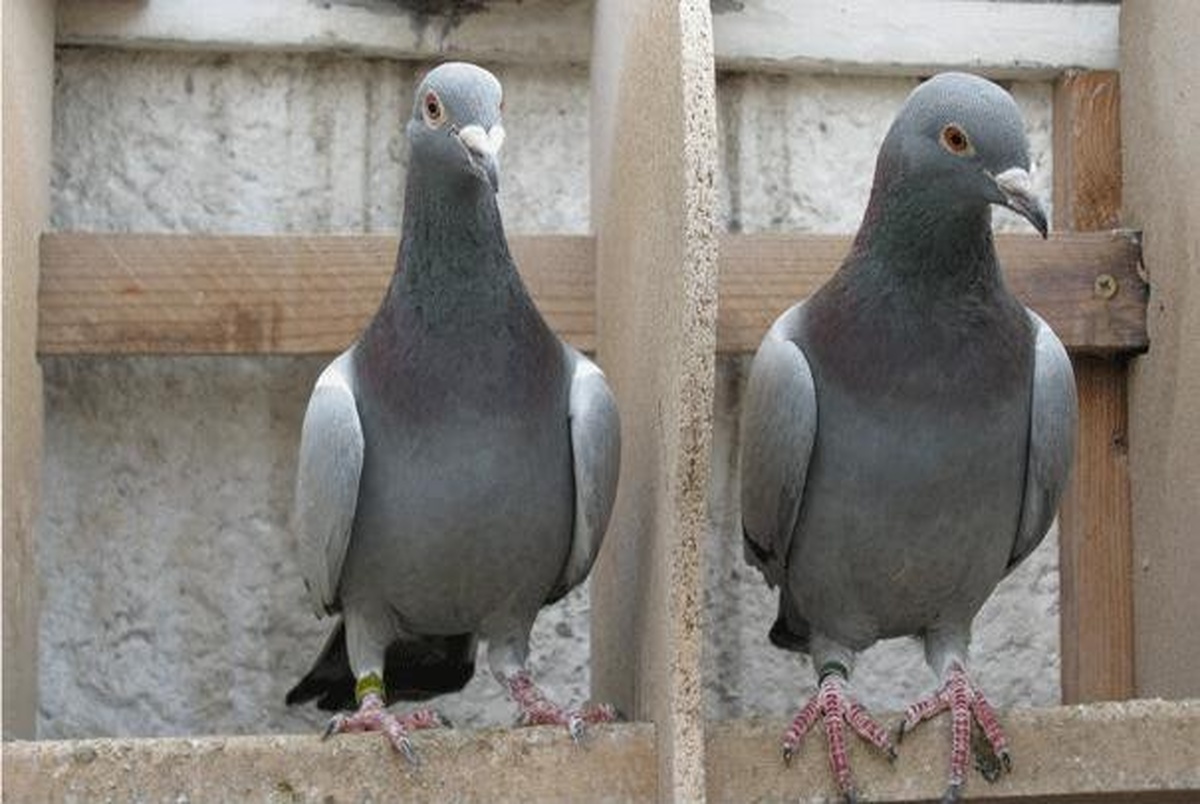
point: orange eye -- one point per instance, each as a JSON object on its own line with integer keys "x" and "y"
{"x": 955, "y": 140}
{"x": 432, "y": 109}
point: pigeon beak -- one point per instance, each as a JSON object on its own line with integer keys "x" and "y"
{"x": 484, "y": 147}
{"x": 1017, "y": 188}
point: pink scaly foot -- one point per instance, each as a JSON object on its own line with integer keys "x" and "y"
{"x": 964, "y": 700}
{"x": 835, "y": 707}
{"x": 535, "y": 709}
{"x": 372, "y": 715}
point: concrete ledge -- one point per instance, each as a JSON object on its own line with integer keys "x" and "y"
{"x": 616, "y": 764}
{"x": 1131, "y": 751}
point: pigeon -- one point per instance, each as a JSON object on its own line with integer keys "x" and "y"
{"x": 908, "y": 430}
{"x": 458, "y": 463}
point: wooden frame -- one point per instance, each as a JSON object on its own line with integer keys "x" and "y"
{"x": 254, "y": 295}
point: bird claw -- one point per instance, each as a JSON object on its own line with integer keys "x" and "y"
{"x": 576, "y": 728}
{"x": 953, "y": 793}
{"x": 405, "y": 747}
{"x": 332, "y": 727}
{"x": 789, "y": 751}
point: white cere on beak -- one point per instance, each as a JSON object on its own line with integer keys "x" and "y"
{"x": 485, "y": 143}
{"x": 1015, "y": 181}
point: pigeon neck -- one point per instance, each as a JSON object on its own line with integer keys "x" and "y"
{"x": 928, "y": 243}
{"x": 452, "y": 245}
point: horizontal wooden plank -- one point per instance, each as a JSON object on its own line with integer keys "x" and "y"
{"x": 1132, "y": 751}
{"x": 213, "y": 294}
{"x": 1002, "y": 39}
{"x": 762, "y": 275}
{"x": 519, "y": 766}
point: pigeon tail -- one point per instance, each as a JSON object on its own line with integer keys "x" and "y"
{"x": 414, "y": 670}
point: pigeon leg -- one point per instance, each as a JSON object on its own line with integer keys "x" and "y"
{"x": 835, "y": 707}
{"x": 373, "y": 715}
{"x": 964, "y": 700}
{"x": 535, "y": 709}
{"x": 507, "y": 659}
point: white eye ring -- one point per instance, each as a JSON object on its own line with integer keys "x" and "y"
{"x": 432, "y": 111}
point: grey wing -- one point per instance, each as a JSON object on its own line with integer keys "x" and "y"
{"x": 779, "y": 424}
{"x": 327, "y": 475}
{"x": 596, "y": 461}
{"x": 1054, "y": 417}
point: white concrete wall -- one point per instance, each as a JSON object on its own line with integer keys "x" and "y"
{"x": 171, "y": 597}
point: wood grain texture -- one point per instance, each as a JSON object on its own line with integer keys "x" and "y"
{"x": 1095, "y": 534}
{"x": 185, "y": 294}
{"x": 762, "y": 275}
{"x": 1095, "y": 543}
{"x": 194, "y": 294}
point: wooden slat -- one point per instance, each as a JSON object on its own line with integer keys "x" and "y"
{"x": 1112, "y": 753}
{"x": 761, "y": 275}
{"x": 1096, "y": 533}
{"x": 192, "y": 294}
{"x": 184, "y": 294}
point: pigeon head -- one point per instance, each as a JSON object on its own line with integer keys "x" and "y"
{"x": 958, "y": 144}
{"x": 455, "y": 128}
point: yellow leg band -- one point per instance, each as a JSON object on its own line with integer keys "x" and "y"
{"x": 369, "y": 683}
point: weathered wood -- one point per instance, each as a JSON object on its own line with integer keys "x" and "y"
{"x": 28, "y": 55}
{"x": 1095, "y": 534}
{"x": 654, "y": 209}
{"x": 1095, "y": 549}
{"x": 518, "y": 766}
{"x": 188, "y": 294}
{"x": 1132, "y": 751}
{"x": 1160, "y": 189}
{"x": 761, "y": 275}
{"x": 183, "y": 294}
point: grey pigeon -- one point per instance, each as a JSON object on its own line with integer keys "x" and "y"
{"x": 908, "y": 430}
{"x": 458, "y": 463}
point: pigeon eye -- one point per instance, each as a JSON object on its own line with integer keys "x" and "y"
{"x": 954, "y": 140}
{"x": 432, "y": 110}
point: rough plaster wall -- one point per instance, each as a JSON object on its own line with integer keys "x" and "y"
{"x": 171, "y": 599}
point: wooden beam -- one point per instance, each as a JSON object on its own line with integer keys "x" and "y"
{"x": 183, "y": 294}
{"x": 191, "y": 294}
{"x": 1095, "y": 523}
{"x": 28, "y": 58}
{"x": 1160, "y": 188}
{"x": 1133, "y": 751}
{"x": 654, "y": 207}
{"x": 1086, "y": 286}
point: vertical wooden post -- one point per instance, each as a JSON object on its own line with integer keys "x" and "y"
{"x": 1095, "y": 525}
{"x": 28, "y": 47}
{"x": 1161, "y": 196}
{"x": 653, "y": 211}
